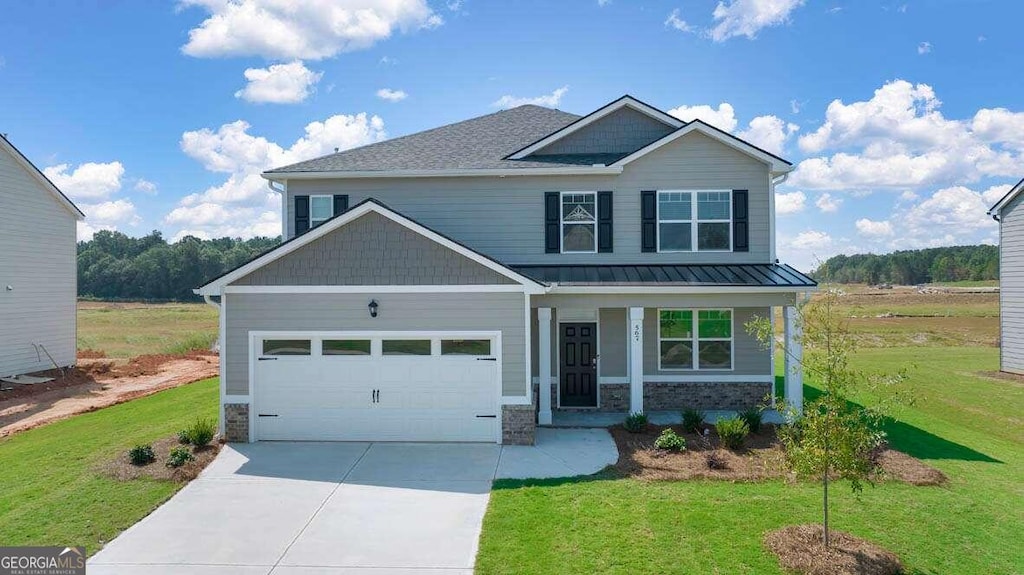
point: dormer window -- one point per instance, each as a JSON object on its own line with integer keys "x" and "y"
{"x": 579, "y": 222}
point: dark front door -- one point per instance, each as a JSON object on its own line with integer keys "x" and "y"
{"x": 579, "y": 365}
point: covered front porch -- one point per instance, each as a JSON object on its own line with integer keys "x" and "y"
{"x": 611, "y": 350}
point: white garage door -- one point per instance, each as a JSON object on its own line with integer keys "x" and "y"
{"x": 396, "y": 386}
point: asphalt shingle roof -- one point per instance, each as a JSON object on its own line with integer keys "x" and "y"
{"x": 478, "y": 143}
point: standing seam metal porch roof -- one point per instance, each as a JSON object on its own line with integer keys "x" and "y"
{"x": 723, "y": 275}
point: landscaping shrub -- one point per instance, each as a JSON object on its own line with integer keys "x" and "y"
{"x": 714, "y": 460}
{"x": 141, "y": 455}
{"x": 669, "y": 440}
{"x": 201, "y": 432}
{"x": 183, "y": 437}
{"x": 753, "y": 418}
{"x": 732, "y": 431}
{"x": 179, "y": 456}
{"x": 635, "y": 422}
{"x": 693, "y": 419}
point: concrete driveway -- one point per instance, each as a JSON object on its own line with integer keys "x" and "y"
{"x": 340, "y": 508}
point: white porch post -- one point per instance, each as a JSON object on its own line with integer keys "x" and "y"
{"x": 636, "y": 359}
{"x": 794, "y": 357}
{"x": 544, "y": 364}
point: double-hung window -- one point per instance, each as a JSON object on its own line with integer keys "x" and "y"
{"x": 321, "y": 209}
{"x": 694, "y": 220}
{"x": 579, "y": 222}
{"x": 695, "y": 339}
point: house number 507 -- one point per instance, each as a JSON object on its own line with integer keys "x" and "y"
{"x": 636, "y": 333}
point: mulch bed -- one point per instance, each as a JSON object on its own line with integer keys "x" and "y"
{"x": 72, "y": 377}
{"x": 801, "y": 548}
{"x": 761, "y": 458}
{"x": 121, "y": 469}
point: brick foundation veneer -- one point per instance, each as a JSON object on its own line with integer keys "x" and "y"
{"x": 704, "y": 395}
{"x": 518, "y": 424}
{"x": 236, "y": 422}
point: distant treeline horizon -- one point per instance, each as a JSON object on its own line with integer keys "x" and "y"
{"x": 911, "y": 267}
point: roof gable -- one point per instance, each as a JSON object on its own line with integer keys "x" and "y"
{"x": 1005, "y": 200}
{"x": 36, "y": 173}
{"x": 215, "y": 286}
{"x": 596, "y": 117}
{"x": 621, "y": 132}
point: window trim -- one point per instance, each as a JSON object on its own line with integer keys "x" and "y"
{"x": 694, "y": 221}
{"x": 314, "y": 222}
{"x": 562, "y": 223}
{"x": 697, "y": 339}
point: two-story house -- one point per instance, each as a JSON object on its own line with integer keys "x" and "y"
{"x": 467, "y": 282}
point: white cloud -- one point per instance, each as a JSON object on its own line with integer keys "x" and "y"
{"x": 827, "y": 203}
{"x": 795, "y": 106}
{"x": 145, "y": 186}
{"x": 812, "y": 240}
{"x": 724, "y": 118}
{"x": 924, "y": 47}
{"x": 111, "y": 215}
{"x": 89, "y": 181}
{"x": 769, "y": 133}
{"x": 791, "y": 203}
{"x": 387, "y": 61}
{"x": 949, "y": 216}
{"x": 454, "y": 5}
{"x": 908, "y": 196}
{"x": 308, "y": 30}
{"x": 874, "y": 229}
{"x": 674, "y": 21}
{"x": 279, "y": 84}
{"x": 548, "y": 100}
{"x": 239, "y": 205}
{"x": 87, "y": 230}
{"x": 391, "y": 95}
{"x": 900, "y": 139}
{"x": 748, "y": 17}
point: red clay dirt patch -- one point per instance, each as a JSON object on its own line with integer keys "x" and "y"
{"x": 149, "y": 364}
{"x": 91, "y": 354}
{"x": 121, "y": 469}
{"x": 801, "y": 548}
{"x": 761, "y": 458}
{"x": 73, "y": 377}
{"x": 100, "y": 387}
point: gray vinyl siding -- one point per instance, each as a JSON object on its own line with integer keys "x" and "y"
{"x": 749, "y": 357}
{"x": 623, "y": 131}
{"x": 504, "y": 312}
{"x": 504, "y": 217}
{"x": 37, "y": 259}
{"x": 373, "y": 250}
{"x": 1011, "y": 287}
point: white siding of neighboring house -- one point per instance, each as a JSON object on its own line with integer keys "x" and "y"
{"x": 37, "y": 259}
{"x": 1011, "y": 287}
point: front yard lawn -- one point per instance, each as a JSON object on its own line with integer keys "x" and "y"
{"x": 50, "y": 490}
{"x": 967, "y": 426}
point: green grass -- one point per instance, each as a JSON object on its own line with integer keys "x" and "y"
{"x": 967, "y": 425}
{"x": 125, "y": 330}
{"x": 50, "y": 493}
{"x": 968, "y": 283}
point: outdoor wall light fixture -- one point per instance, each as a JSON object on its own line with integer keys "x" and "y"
{"x": 373, "y": 307}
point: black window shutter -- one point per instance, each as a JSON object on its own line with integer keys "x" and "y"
{"x": 604, "y": 222}
{"x": 552, "y": 218}
{"x": 301, "y": 215}
{"x": 740, "y": 221}
{"x": 649, "y": 221}
{"x": 340, "y": 204}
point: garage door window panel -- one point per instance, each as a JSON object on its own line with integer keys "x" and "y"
{"x": 406, "y": 347}
{"x": 346, "y": 347}
{"x": 465, "y": 347}
{"x": 287, "y": 347}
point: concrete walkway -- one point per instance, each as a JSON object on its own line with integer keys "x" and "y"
{"x": 341, "y": 508}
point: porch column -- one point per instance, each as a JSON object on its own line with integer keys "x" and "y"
{"x": 636, "y": 359}
{"x": 544, "y": 365}
{"x": 794, "y": 349}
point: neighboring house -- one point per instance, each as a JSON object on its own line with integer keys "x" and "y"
{"x": 1010, "y": 215}
{"x": 38, "y": 277}
{"x": 464, "y": 283}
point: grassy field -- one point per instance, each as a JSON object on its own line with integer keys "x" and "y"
{"x": 125, "y": 330}
{"x": 966, "y": 423}
{"x": 50, "y": 493}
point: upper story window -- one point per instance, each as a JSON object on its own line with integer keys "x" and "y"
{"x": 579, "y": 222}
{"x": 321, "y": 209}
{"x": 694, "y": 220}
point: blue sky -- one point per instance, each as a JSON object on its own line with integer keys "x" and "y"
{"x": 905, "y": 119}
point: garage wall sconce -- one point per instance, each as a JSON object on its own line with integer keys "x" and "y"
{"x": 373, "y": 307}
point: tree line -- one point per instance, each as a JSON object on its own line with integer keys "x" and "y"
{"x": 115, "y": 266}
{"x": 911, "y": 267}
